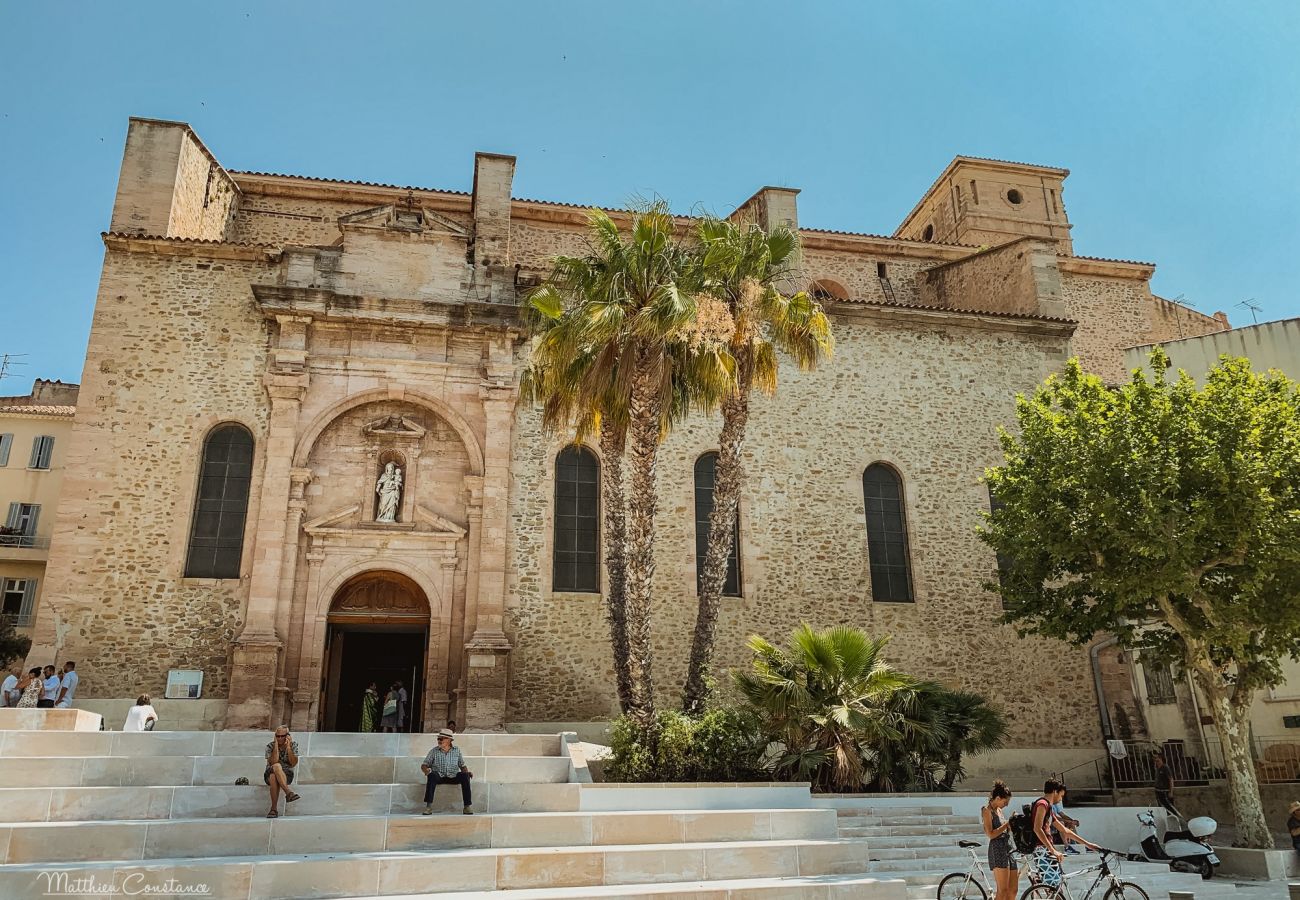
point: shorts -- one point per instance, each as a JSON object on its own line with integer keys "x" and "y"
{"x": 1044, "y": 869}
{"x": 44, "y": 704}
{"x": 1000, "y": 855}
{"x": 288, "y": 774}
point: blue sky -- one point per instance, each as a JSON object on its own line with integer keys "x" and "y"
{"x": 1178, "y": 120}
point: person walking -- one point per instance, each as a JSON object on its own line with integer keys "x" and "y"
{"x": 30, "y": 689}
{"x": 1045, "y": 865}
{"x": 49, "y": 689}
{"x": 444, "y": 764}
{"x": 67, "y": 686}
{"x": 388, "y": 723}
{"x": 1164, "y": 785}
{"x": 401, "y": 705}
{"x": 369, "y": 708}
{"x": 997, "y": 828}
{"x": 9, "y": 693}
{"x": 142, "y": 716}
{"x": 281, "y": 758}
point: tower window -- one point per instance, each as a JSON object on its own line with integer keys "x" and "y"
{"x": 928, "y": 234}
{"x": 882, "y": 271}
{"x": 1014, "y": 197}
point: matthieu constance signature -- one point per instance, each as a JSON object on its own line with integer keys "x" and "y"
{"x": 65, "y": 884}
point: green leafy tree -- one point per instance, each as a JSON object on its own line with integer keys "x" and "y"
{"x": 747, "y": 310}
{"x": 971, "y": 726}
{"x": 1168, "y": 515}
{"x": 13, "y": 646}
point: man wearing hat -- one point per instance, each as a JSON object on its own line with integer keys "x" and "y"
{"x": 445, "y": 765}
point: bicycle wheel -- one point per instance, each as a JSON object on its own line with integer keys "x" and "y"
{"x": 1044, "y": 892}
{"x": 1125, "y": 890}
{"x": 961, "y": 886}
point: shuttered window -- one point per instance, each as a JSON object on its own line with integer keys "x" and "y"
{"x": 6, "y": 442}
{"x": 42, "y": 452}
{"x": 18, "y": 598}
{"x": 706, "y": 468}
{"x": 891, "y": 567}
{"x": 217, "y": 528}
{"x": 576, "y": 556}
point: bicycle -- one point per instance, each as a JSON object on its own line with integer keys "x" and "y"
{"x": 1118, "y": 890}
{"x": 962, "y": 885}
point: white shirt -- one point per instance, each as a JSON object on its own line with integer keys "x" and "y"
{"x": 9, "y": 692}
{"x": 51, "y": 688}
{"x": 136, "y": 716}
{"x": 70, "y": 682}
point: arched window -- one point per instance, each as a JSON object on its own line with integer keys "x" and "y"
{"x": 217, "y": 529}
{"x": 891, "y": 567}
{"x": 576, "y": 557}
{"x": 705, "y": 471}
{"x": 826, "y": 291}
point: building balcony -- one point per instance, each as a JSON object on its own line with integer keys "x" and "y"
{"x": 24, "y": 548}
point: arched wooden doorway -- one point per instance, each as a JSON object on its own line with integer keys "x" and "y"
{"x": 378, "y": 631}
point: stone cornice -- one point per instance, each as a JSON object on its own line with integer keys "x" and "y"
{"x": 1111, "y": 268}
{"x": 193, "y": 247}
{"x": 930, "y": 316}
{"x": 880, "y": 245}
{"x": 329, "y": 306}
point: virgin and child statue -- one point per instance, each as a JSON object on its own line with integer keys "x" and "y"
{"x": 389, "y": 489}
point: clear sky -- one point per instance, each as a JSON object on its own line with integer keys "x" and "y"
{"x": 1179, "y": 120}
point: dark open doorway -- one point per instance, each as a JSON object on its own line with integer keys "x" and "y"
{"x": 359, "y": 654}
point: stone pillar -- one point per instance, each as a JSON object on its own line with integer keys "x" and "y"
{"x": 490, "y": 210}
{"x": 488, "y": 650}
{"x": 255, "y": 658}
{"x": 774, "y": 207}
{"x": 306, "y": 694}
{"x": 298, "y": 480}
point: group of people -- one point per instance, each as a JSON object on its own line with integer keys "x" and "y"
{"x": 443, "y": 764}
{"x": 1053, "y": 838}
{"x": 46, "y": 688}
{"x": 388, "y": 715}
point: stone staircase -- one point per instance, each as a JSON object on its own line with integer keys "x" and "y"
{"x": 918, "y": 844}
{"x": 86, "y": 811}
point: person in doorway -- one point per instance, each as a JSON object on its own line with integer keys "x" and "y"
{"x": 50, "y": 689}
{"x": 370, "y": 708}
{"x": 67, "y": 686}
{"x": 388, "y": 723}
{"x": 1045, "y": 865}
{"x": 1164, "y": 785}
{"x": 9, "y": 693}
{"x": 1293, "y": 824}
{"x": 401, "y": 706}
{"x": 142, "y": 716}
{"x": 30, "y": 689}
{"x": 445, "y": 765}
{"x": 281, "y": 759}
{"x": 997, "y": 828}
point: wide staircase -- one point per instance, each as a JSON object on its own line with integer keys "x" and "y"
{"x": 920, "y": 844}
{"x": 85, "y": 812}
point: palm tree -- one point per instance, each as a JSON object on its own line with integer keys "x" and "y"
{"x": 613, "y": 354}
{"x": 742, "y": 272}
{"x": 972, "y": 725}
{"x": 825, "y": 699}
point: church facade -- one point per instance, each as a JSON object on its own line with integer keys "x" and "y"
{"x": 299, "y": 461}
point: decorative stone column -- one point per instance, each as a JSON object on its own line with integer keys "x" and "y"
{"x": 298, "y": 481}
{"x": 255, "y": 657}
{"x": 486, "y": 673}
{"x": 306, "y": 694}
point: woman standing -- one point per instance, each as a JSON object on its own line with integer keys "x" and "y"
{"x": 370, "y": 708}
{"x": 31, "y": 687}
{"x": 997, "y": 828}
{"x": 389, "y": 722}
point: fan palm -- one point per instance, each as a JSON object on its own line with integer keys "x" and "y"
{"x": 825, "y": 698}
{"x": 614, "y": 353}
{"x": 743, "y": 271}
{"x": 972, "y": 726}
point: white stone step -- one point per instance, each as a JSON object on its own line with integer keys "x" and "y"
{"x": 912, "y": 830}
{"x": 253, "y": 743}
{"x": 897, "y": 821}
{"x": 99, "y": 804}
{"x": 912, "y": 840}
{"x": 312, "y": 876}
{"x": 866, "y": 810}
{"x": 57, "y": 842}
{"x": 814, "y": 887}
{"x": 157, "y": 771}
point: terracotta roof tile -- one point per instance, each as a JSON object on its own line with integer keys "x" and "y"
{"x": 888, "y": 237}
{"x": 185, "y": 240}
{"x": 378, "y": 184}
{"x": 1131, "y": 262}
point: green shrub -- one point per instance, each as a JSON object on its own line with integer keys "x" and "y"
{"x": 723, "y": 744}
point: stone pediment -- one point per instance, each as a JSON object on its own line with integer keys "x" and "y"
{"x": 406, "y": 217}
{"x": 395, "y": 426}
{"x": 345, "y": 521}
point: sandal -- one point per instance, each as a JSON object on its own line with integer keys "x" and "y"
{"x": 290, "y": 797}
{"x": 273, "y": 814}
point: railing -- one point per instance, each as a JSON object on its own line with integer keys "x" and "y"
{"x": 1277, "y": 759}
{"x": 24, "y": 541}
{"x": 1192, "y": 762}
{"x": 19, "y": 620}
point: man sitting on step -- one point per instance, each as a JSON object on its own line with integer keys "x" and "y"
{"x": 445, "y": 765}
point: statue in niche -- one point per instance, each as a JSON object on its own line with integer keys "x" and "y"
{"x": 389, "y": 489}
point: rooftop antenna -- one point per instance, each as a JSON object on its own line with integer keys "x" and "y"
{"x": 7, "y": 362}
{"x": 1254, "y": 308}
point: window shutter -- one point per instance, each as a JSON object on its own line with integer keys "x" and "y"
{"x": 42, "y": 450}
{"x": 14, "y": 512}
{"x": 35, "y": 514}
{"x": 47, "y": 452}
{"x": 29, "y": 599}
{"x": 6, "y": 441}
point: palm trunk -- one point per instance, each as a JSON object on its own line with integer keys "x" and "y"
{"x": 728, "y": 476}
{"x": 642, "y": 450}
{"x": 1231, "y": 720}
{"x": 611, "y": 488}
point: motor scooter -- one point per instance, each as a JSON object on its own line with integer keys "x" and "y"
{"x": 1186, "y": 849}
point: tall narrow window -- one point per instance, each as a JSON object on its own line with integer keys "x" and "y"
{"x": 706, "y": 468}
{"x": 18, "y": 597}
{"x": 217, "y": 529}
{"x": 42, "y": 452}
{"x": 6, "y": 441}
{"x": 1159, "y": 682}
{"x": 576, "y": 558}
{"x": 21, "y": 524}
{"x": 891, "y": 567}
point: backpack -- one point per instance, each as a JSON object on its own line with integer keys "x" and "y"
{"x": 1022, "y": 829}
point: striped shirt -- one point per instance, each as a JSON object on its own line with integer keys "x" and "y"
{"x": 445, "y": 763}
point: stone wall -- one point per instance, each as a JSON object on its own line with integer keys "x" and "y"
{"x": 1019, "y": 277}
{"x": 1170, "y": 321}
{"x": 858, "y": 274}
{"x": 1110, "y": 313}
{"x": 204, "y": 197}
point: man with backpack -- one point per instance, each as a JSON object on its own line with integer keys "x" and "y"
{"x": 1032, "y": 830}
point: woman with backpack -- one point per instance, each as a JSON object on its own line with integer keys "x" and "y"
{"x": 998, "y": 830}
{"x": 1045, "y": 865}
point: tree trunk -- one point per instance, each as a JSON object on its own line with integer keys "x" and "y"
{"x": 642, "y": 451}
{"x": 1232, "y": 722}
{"x": 728, "y": 477}
{"x": 612, "y": 497}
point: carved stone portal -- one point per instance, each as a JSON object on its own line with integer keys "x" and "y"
{"x": 386, "y": 593}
